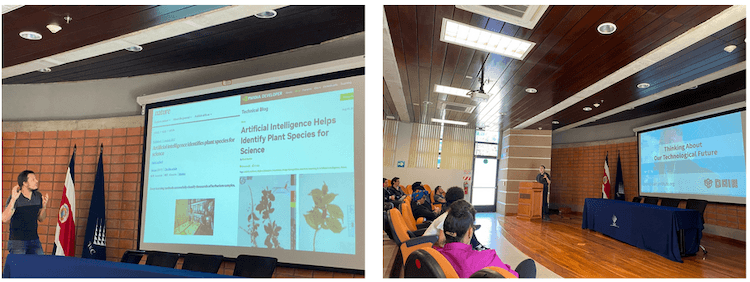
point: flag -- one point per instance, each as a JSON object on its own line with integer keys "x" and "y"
{"x": 605, "y": 181}
{"x": 95, "y": 241}
{"x": 65, "y": 232}
{"x": 619, "y": 185}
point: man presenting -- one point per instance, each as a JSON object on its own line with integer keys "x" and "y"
{"x": 543, "y": 178}
{"x": 23, "y": 209}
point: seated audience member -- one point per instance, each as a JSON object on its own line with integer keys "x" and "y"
{"x": 454, "y": 193}
{"x": 417, "y": 186}
{"x": 440, "y": 197}
{"x": 458, "y": 230}
{"x": 394, "y": 193}
{"x": 419, "y": 208}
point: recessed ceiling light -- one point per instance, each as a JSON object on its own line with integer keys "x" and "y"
{"x": 469, "y": 77}
{"x": 30, "y": 35}
{"x": 539, "y": 128}
{"x": 54, "y": 28}
{"x": 606, "y": 28}
{"x": 481, "y": 39}
{"x": 643, "y": 85}
{"x": 449, "y": 121}
{"x": 531, "y": 90}
{"x": 730, "y": 48}
{"x": 596, "y": 105}
{"x": 266, "y": 15}
{"x": 136, "y": 48}
{"x": 587, "y": 108}
{"x": 390, "y": 117}
{"x": 694, "y": 87}
{"x": 555, "y": 122}
{"x": 451, "y": 90}
{"x": 45, "y": 70}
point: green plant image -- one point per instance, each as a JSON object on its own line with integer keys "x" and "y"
{"x": 324, "y": 215}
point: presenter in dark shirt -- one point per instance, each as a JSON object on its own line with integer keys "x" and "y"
{"x": 543, "y": 177}
{"x": 25, "y": 207}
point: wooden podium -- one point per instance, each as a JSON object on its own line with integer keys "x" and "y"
{"x": 530, "y": 200}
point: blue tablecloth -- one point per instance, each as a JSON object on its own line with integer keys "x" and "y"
{"x": 649, "y": 227}
{"x": 33, "y": 266}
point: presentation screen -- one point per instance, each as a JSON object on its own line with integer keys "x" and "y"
{"x": 701, "y": 159}
{"x": 271, "y": 170}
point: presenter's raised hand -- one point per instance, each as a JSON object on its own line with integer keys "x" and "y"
{"x": 45, "y": 199}
{"x": 15, "y": 193}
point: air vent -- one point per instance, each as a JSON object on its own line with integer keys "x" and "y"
{"x": 521, "y": 15}
{"x": 457, "y": 107}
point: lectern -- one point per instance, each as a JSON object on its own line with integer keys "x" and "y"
{"x": 530, "y": 200}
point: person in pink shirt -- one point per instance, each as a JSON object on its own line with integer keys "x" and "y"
{"x": 458, "y": 229}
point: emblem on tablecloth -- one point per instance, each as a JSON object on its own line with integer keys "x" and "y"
{"x": 614, "y": 221}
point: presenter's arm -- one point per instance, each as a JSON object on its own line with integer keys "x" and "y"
{"x": 546, "y": 176}
{"x": 43, "y": 211}
{"x": 10, "y": 208}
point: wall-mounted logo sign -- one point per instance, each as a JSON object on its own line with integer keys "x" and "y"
{"x": 401, "y": 164}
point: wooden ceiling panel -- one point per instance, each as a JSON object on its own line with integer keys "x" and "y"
{"x": 569, "y": 56}
{"x": 90, "y": 24}
{"x": 232, "y": 41}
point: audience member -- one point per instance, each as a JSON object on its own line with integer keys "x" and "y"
{"x": 458, "y": 230}
{"x": 419, "y": 208}
{"x": 440, "y": 198}
{"x": 454, "y": 193}
{"x": 393, "y": 194}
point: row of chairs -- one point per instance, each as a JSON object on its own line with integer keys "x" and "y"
{"x": 418, "y": 259}
{"x": 691, "y": 204}
{"x": 245, "y": 265}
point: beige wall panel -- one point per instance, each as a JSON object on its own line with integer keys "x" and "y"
{"x": 530, "y": 152}
{"x": 528, "y": 163}
{"x": 528, "y": 140}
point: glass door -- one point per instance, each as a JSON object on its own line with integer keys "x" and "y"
{"x": 483, "y": 191}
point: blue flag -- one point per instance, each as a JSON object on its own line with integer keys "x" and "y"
{"x": 95, "y": 242}
{"x": 619, "y": 185}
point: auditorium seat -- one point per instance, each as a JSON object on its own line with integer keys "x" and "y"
{"x": 406, "y": 244}
{"x": 132, "y": 256}
{"x": 700, "y": 206}
{"x": 492, "y": 272}
{"x": 162, "y": 259}
{"x": 526, "y": 269}
{"x": 636, "y": 199}
{"x": 651, "y": 200}
{"x": 668, "y": 202}
{"x": 407, "y": 189}
{"x": 418, "y": 225}
{"x": 202, "y": 263}
{"x": 428, "y": 263}
{"x": 254, "y": 266}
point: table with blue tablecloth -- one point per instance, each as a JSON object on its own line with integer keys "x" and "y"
{"x": 662, "y": 230}
{"x": 34, "y": 266}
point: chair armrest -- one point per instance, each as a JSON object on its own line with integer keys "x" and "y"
{"x": 421, "y": 240}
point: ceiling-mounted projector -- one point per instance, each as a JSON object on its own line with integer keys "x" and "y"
{"x": 478, "y": 95}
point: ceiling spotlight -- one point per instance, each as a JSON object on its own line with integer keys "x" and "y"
{"x": 266, "y": 15}
{"x": 136, "y": 48}
{"x": 596, "y": 105}
{"x": 531, "y": 90}
{"x": 606, "y": 28}
{"x": 30, "y": 35}
{"x": 539, "y": 128}
{"x": 54, "y": 28}
{"x": 45, "y": 70}
{"x": 730, "y": 48}
{"x": 555, "y": 122}
{"x": 643, "y": 85}
{"x": 587, "y": 108}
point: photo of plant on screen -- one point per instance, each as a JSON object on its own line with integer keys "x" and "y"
{"x": 266, "y": 211}
{"x": 326, "y": 202}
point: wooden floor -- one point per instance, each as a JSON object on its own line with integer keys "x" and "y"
{"x": 572, "y": 252}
